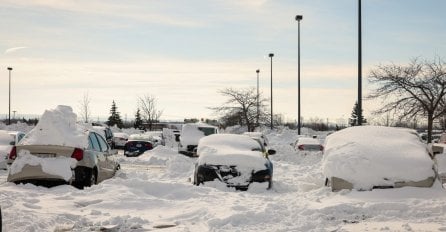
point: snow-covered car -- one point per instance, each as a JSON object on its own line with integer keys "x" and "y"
{"x": 156, "y": 137}
{"x": 191, "y": 133}
{"x": 259, "y": 136}
{"x": 367, "y": 157}
{"x": 58, "y": 150}
{"x": 7, "y": 140}
{"x": 308, "y": 144}
{"x": 120, "y": 139}
{"x": 236, "y": 160}
{"x": 138, "y": 144}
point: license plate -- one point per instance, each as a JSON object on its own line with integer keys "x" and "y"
{"x": 45, "y": 155}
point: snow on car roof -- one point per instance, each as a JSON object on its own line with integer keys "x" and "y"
{"x": 58, "y": 127}
{"x": 368, "y": 155}
{"x": 231, "y": 149}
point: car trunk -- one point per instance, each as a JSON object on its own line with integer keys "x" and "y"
{"x": 46, "y": 151}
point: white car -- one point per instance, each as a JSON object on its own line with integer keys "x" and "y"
{"x": 120, "y": 139}
{"x": 58, "y": 150}
{"x": 191, "y": 133}
{"x": 367, "y": 157}
{"x": 7, "y": 141}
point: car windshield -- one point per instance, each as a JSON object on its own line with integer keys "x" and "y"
{"x": 207, "y": 130}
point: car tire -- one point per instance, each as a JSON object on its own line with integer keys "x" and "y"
{"x": 270, "y": 184}
{"x": 91, "y": 177}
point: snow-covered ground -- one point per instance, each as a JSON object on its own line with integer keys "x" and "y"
{"x": 154, "y": 192}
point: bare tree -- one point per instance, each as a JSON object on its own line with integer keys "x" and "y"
{"x": 241, "y": 108}
{"x": 415, "y": 90}
{"x": 149, "y": 109}
{"x": 84, "y": 107}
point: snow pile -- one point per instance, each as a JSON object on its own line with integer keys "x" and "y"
{"x": 227, "y": 149}
{"x": 57, "y": 127}
{"x": 368, "y": 156}
{"x": 58, "y": 166}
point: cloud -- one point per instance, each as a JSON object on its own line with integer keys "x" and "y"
{"x": 11, "y": 50}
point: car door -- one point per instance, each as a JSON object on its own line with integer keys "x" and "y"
{"x": 99, "y": 155}
{"x": 108, "y": 166}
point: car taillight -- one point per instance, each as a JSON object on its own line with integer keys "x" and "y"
{"x": 149, "y": 146}
{"x": 13, "y": 153}
{"x": 301, "y": 147}
{"x": 78, "y": 154}
{"x": 322, "y": 148}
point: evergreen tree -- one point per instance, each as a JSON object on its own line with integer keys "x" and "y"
{"x": 115, "y": 118}
{"x": 138, "y": 120}
{"x": 354, "y": 116}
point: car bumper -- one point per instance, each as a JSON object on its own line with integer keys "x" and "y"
{"x": 211, "y": 173}
{"x": 31, "y": 172}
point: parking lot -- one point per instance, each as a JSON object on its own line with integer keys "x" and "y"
{"x": 153, "y": 191}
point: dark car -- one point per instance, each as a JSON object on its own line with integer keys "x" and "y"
{"x": 236, "y": 160}
{"x": 137, "y": 144}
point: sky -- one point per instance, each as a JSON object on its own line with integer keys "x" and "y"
{"x": 184, "y": 52}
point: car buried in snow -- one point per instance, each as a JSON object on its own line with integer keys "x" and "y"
{"x": 236, "y": 160}
{"x": 191, "y": 133}
{"x": 58, "y": 150}
{"x": 120, "y": 139}
{"x": 368, "y": 157}
{"x": 304, "y": 144}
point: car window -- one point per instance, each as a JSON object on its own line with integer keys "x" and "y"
{"x": 20, "y": 137}
{"x": 93, "y": 142}
{"x": 207, "y": 130}
{"x": 102, "y": 143}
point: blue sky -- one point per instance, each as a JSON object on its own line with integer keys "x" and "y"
{"x": 184, "y": 52}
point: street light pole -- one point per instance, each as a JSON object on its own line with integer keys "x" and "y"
{"x": 9, "y": 112}
{"x": 271, "y": 56}
{"x": 359, "y": 65}
{"x": 258, "y": 103}
{"x": 298, "y": 18}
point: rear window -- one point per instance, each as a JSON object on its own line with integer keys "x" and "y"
{"x": 207, "y": 130}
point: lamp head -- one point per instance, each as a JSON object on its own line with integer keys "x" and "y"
{"x": 271, "y": 55}
{"x": 258, "y": 70}
{"x": 299, "y": 17}
{"x": 9, "y": 68}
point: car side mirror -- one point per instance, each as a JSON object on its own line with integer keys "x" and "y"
{"x": 271, "y": 152}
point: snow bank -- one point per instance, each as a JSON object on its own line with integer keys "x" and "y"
{"x": 57, "y": 127}
{"x": 58, "y": 166}
{"x": 370, "y": 156}
{"x": 227, "y": 149}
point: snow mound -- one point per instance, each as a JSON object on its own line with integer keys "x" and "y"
{"x": 368, "y": 156}
{"x": 57, "y": 127}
